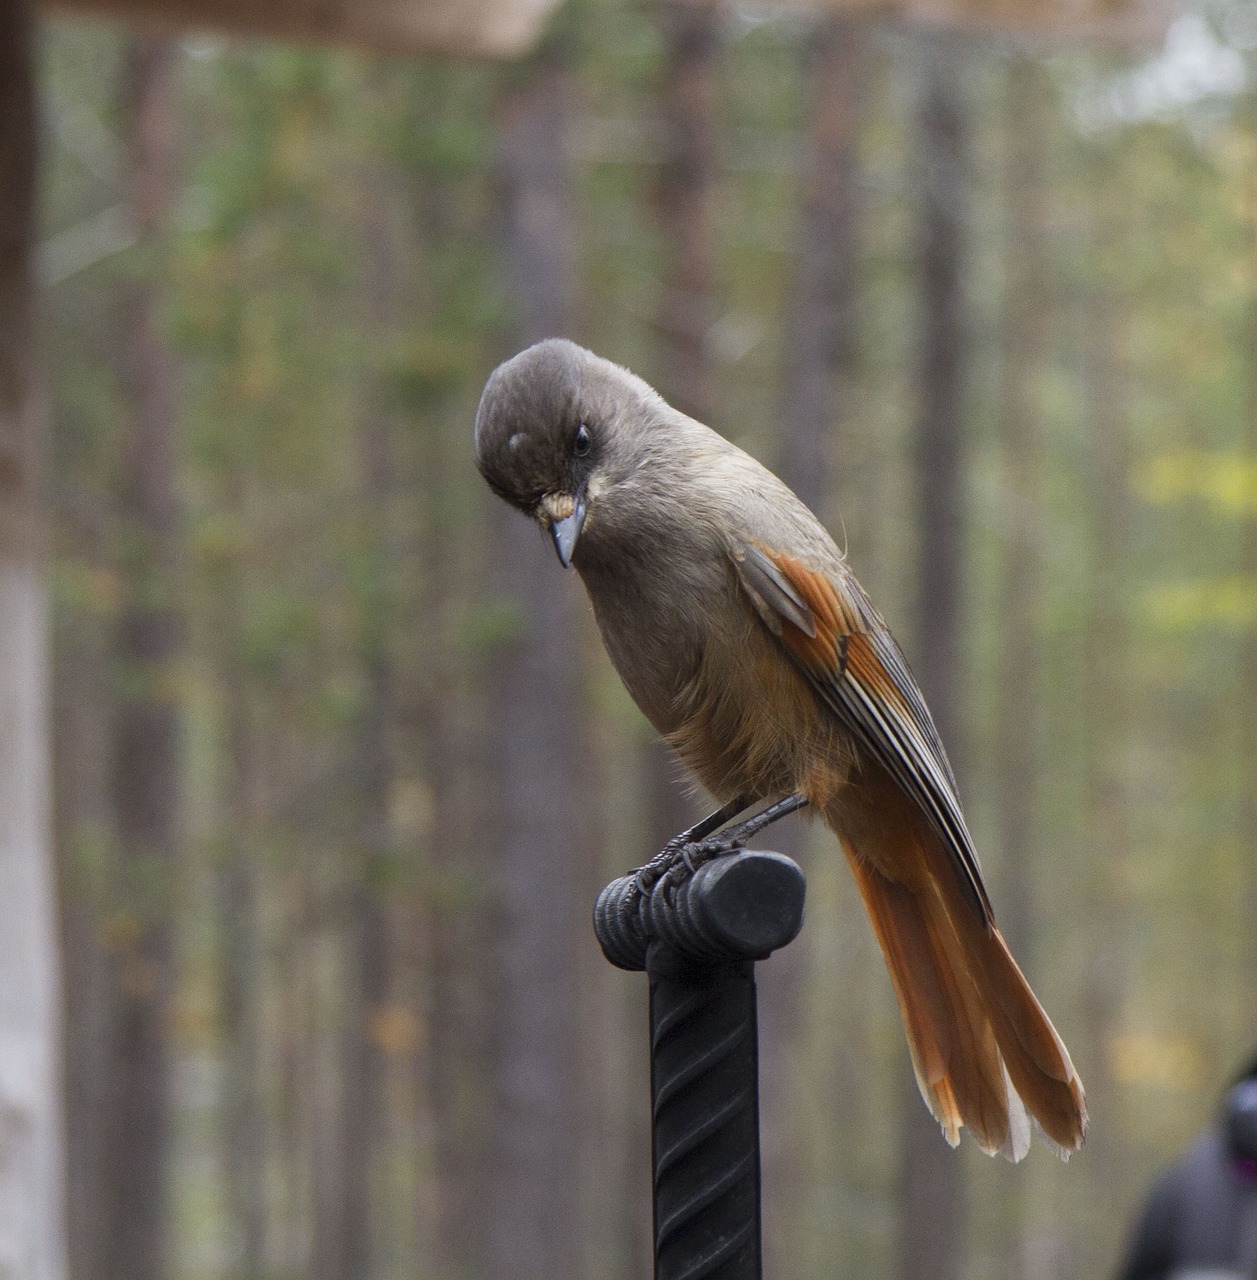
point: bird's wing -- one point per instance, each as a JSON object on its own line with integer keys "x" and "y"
{"x": 836, "y": 637}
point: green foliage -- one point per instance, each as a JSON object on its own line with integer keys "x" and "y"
{"x": 280, "y": 634}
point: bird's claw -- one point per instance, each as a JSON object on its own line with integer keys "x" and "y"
{"x": 679, "y": 859}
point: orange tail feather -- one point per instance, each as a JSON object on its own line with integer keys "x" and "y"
{"x": 982, "y": 1047}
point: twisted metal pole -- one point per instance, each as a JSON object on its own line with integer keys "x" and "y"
{"x": 698, "y": 942}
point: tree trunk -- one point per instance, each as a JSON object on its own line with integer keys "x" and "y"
{"x": 242, "y": 973}
{"x": 456, "y": 1071}
{"x": 454, "y": 906}
{"x": 350, "y": 1196}
{"x": 1108, "y": 665}
{"x": 453, "y": 916}
{"x": 689, "y": 93}
{"x": 540, "y": 755}
{"x": 1019, "y": 712}
{"x": 1025, "y": 326}
{"x": 82, "y": 810}
{"x": 820, "y": 345}
{"x": 147, "y": 739}
{"x": 345, "y": 1222}
{"x": 31, "y": 1157}
{"x": 932, "y": 1197}
{"x": 821, "y": 333}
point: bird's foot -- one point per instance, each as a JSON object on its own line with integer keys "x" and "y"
{"x": 684, "y": 854}
{"x": 680, "y": 858}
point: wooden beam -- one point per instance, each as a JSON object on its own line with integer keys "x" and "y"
{"x": 454, "y": 28}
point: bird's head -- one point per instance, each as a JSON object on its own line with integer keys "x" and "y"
{"x": 557, "y": 428}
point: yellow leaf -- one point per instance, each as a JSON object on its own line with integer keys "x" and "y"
{"x": 393, "y": 1029}
{"x": 1226, "y": 482}
{"x": 1161, "y": 1061}
{"x": 1229, "y": 603}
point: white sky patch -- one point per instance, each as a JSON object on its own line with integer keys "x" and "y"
{"x": 1194, "y": 66}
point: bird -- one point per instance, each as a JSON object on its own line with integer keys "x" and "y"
{"x": 741, "y": 632}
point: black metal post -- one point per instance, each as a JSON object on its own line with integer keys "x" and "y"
{"x": 698, "y": 942}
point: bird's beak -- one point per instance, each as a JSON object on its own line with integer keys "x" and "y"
{"x": 566, "y": 513}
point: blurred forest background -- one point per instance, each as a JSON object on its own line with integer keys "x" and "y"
{"x": 340, "y": 764}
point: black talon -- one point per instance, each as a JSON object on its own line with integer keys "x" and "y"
{"x": 686, "y": 852}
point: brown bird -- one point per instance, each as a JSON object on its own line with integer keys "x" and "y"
{"x": 741, "y": 633}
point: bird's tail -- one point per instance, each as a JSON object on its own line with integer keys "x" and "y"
{"x": 983, "y": 1050}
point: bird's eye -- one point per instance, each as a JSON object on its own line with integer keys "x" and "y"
{"x": 583, "y": 440}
